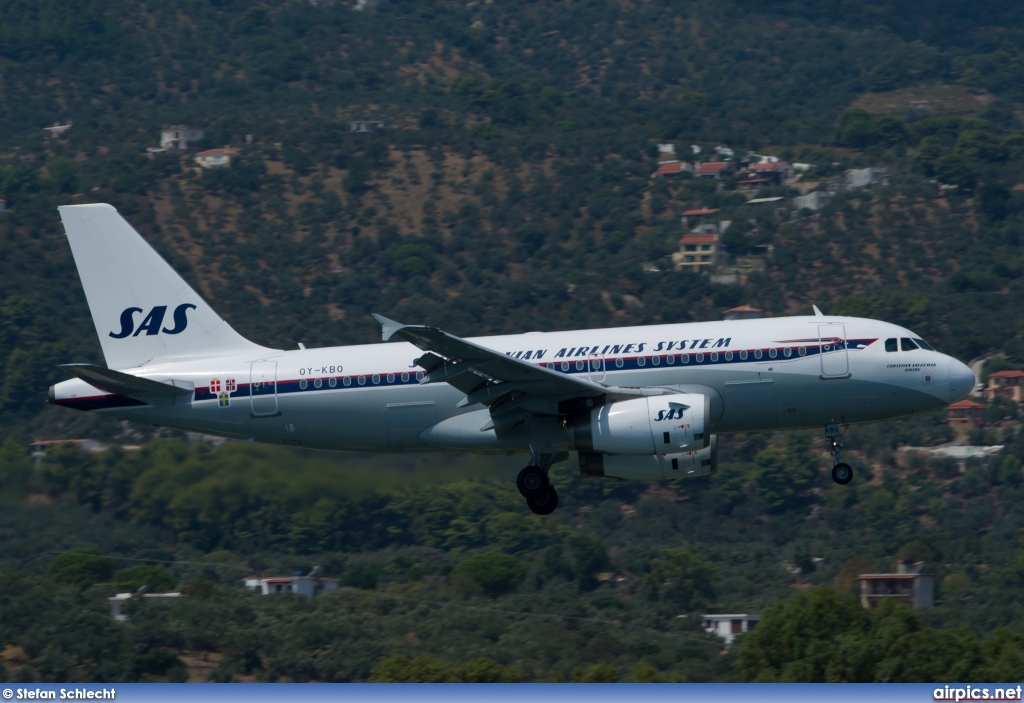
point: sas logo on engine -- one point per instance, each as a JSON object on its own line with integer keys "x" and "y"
{"x": 153, "y": 322}
{"x": 673, "y": 413}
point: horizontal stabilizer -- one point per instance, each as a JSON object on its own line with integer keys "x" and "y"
{"x": 144, "y": 389}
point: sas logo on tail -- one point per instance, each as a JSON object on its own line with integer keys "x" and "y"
{"x": 153, "y": 321}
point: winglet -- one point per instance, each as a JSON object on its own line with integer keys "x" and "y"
{"x": 817, "y": 312}
{"x": 388, "y": 327}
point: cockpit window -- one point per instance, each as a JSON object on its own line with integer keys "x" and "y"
{"x": 890, "y": 344}
{"x": 907, "y": 344}
{"x": 923, "y": 344}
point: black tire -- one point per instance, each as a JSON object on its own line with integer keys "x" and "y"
{"x": 842, "y": 474}
{"x": 532, "y": 481}
{"x": 545, "y": 503}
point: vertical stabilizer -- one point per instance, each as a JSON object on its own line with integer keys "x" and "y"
{"x": 143, "y": 310}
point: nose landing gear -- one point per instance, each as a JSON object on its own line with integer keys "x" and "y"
{"x": 842, "y": 473}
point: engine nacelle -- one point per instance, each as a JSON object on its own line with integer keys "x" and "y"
{"x": 654, "y": 467}
{"x": 662, "y": 424}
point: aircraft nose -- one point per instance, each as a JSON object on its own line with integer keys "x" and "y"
{"x": 961, "y": 380}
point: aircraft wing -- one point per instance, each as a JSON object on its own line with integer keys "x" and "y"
{"x": 489, "y": 377}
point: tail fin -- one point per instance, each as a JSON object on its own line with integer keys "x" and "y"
{"x": 142, "y": 309}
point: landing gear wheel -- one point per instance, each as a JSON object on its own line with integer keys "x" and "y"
{"x": 532, "y": 482}
{"x": 543, "y": 503}
{"x": 842, "y": 474}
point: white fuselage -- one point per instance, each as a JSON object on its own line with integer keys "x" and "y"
{"x": 778, "y": 373}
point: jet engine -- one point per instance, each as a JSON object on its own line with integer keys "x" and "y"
{"x": 654, "y": 425}
{"x": 652, "y": 468}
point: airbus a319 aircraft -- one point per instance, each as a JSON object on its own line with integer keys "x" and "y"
{"x": 633, "y": 402}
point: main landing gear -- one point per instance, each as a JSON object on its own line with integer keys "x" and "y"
{"x": 842, "y": 473}
{"x": 534, "y": 485}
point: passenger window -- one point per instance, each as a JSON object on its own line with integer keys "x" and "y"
{"x": 907, "y": 344}
{"x": 890, "y": 344}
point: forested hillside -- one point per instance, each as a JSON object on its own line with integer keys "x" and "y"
{"x": 508, "y": 190}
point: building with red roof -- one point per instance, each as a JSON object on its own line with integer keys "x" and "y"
{"x": 714, "y": 169}
{"x": 697, "y": 252}
{"x": 216, "y": 158}
{"x": 965, "y": 415}
{"x": 671, "y": 169}
{"x": 743, "y": 312}
{"x": 697, "y": 216}
{"x": 908, "y": 585}
{"x": 1006, "y": 384}
{"x": 775, "y": 172}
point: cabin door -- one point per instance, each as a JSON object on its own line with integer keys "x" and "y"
{"x": 263, "y": 388}
{"x": 834, "y": 360}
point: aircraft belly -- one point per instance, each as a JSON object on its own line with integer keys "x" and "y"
{"x": 806, "y": 401}
{"x": 750, "y": 402}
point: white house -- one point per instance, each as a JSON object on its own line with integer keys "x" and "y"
{"x": 216, "y": 158}
{"x": 730, "y": 625}
{"x": 815, "y": 200}
{"x": 308, "y": 586}
{"x": 179, "y": 137}
{"x": 863, "y": 177}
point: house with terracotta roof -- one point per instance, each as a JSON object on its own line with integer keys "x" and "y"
{"x": 692, "y": 217}
{"x": 697, "y": 252}
{"x": 965, "y": 415}
{"x": 310, "y": 585}
{"x": 714, "y": 169}
{"x": 216, "y": 158}
{"x": 1006, "y": 384}
{"x": 743, "y": 312}
{"x": 671, "y": 169}
{"x": 908, "y": 585}
{"x": 778, "y": 173}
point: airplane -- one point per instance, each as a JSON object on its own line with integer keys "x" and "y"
{"x": 644, "y": 403}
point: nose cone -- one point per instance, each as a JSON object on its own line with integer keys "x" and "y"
{"x": 961, "y": 380}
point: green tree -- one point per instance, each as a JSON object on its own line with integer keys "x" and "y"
{"x": 491, "y": 573}
{"x": 682, "y": 578}
{"x": 82, "y": 567}
{"x": 982, "y": 145}
{"x": 154, "y": 578}
{"x": 929, "y": 151}
{"x": 780, "y": 480}
{"x": 799, "y": 640}
{"x": 15, "y": 464}
{"x": 426, "y": 669}
{"x": 954, "y": 169}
